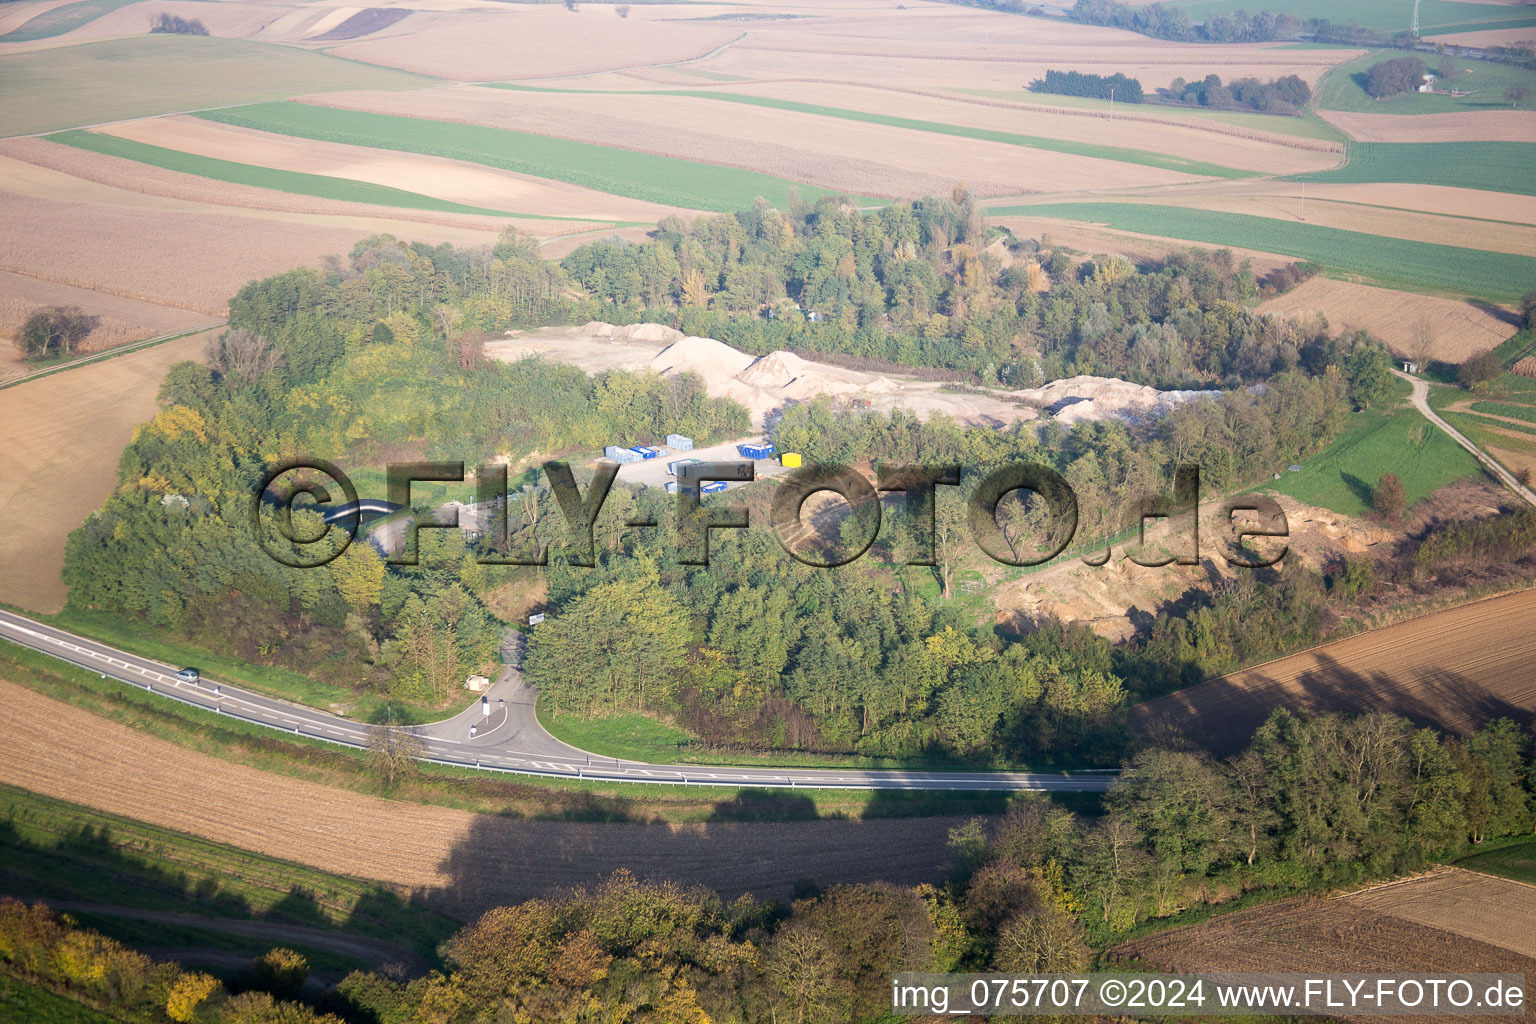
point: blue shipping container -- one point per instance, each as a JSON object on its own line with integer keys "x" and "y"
{"x": 644, "y": 452}
{"x": 713, "y": 487}
{"x": 755, "y": 451}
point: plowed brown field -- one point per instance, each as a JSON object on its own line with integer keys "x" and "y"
{"x": 1454, "y": 670}
{"x": 461, "y": 860}
{"x": 1320, "y": 936}
{"x": 1497, "y": 911}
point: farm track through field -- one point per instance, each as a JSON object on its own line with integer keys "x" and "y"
{"x": 456, "y": 860}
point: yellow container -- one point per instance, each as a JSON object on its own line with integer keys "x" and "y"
{"x": 790, "y": 459}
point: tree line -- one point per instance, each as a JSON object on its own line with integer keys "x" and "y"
{"x": 1312, "y": 803}
{"x": 1099, "y": 87}
{"x": 1285, "y": 95}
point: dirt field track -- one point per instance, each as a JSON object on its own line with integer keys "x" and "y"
{"x": 1320, "y": 936}
{"x": 462, "y": 861}
{"x": 1492, "y": 910}
{"x": 1454, "y": 670}
{"x": 49, "y": 482}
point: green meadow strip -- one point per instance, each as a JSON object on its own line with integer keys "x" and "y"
{"x": 645, "y": 176}
{"x": 1393, "y": 262}
{"x": 295, "y": 182}
{"x": 1146, "y": 158}
{"x": 1492, "y": 166}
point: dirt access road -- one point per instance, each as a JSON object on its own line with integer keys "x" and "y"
{"x": 1421, "y": 402}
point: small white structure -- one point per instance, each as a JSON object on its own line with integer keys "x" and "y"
{"x": 1410, "y": 367}
{"x": 534, "y": 620}
{"x": 1428, "y": 85}
{"x": 477, "y": 683}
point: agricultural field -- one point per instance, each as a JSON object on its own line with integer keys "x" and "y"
{"x": 1435, "y": 16}
{"x": 1399, "y": 263}
{"x": 1517, "y": 862}
{"x": 453, "y": 859}
{"x": 1319, "y": 935}
{"x": 1492, "y": 166}
{"x": 49, "y": 483}
{"x": 1480, "y": 83}
{"x": 651, "y": 178}
{"x": 1464, "y": 126}
{"x": 1456, "y": 330}
{"x": 122, "y": 78}
{"x": 1500, "y": 417}
{"x": 1454, "y": 670}
{"x": 1480, "y": 907}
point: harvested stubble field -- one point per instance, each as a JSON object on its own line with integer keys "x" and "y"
{"x": 160, "y": 74}
{"x": 121, "y": 320}
{"x": 49, "y": 480}
{"x": 1464, "y": 126}
{"x": 411, "y": 174}
{"x": 132, "y": 176}
{"x": 1490, "y": 37}
{"x": 1460, "y": 329}
{"x": 1454, "y": 670}
{"x": 457, "y": 860}
{"x": 1494, "y": 910}
{"x": 535, "y": 41}
{"x": 226, "y": 20}
{"x": 1316, "y": 936}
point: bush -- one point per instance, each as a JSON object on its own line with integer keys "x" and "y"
{"x": 1098, "y": 87}
{"x": 1480, "y": 370}
{"x": 1394, "y": 77}
{"x": 170, "y": 24}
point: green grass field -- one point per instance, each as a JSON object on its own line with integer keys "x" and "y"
{"x": 294, "y": 182}
{"x": 1393, "y": 262}
{"x": 63, "y": 19}
{"x": 1279, "y": 124}
{"x": 1517, "y": 862}
{"x": 1395, "y": 439}
{"x": 1519, "y": 412}
{"x": 1382, "y": 15}
{"x": 1494, "y": 166}
{"x": 1483, "y": 81}
{"x": 1145, "y": 158}
{"x": 117, "y": 79}
{"x": 21, "y": 1003}
{"x": 657, "y": 179}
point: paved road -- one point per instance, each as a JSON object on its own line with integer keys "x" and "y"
{"x": 508, "y": 740}
{"x": 1421, "y": 402}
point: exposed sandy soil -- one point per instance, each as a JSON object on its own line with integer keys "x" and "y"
{"x": 1461, "y": 329}
{"x": 463, "y": 861}
{"x": 1454, "y": 670}
{"x": 80, "y": 167}
{"x": 49, "y": 480}
{"x": 1494, "y": 910}
{"x": 831, "y": 152}
{"x": 764, "y": 385}
{"x": 1321, "y": 936}
{"x": 122, "y": 320}
{"x": 1468, "y": 126}
{"x": 533, "y": 42}
{"x": 452, "y": 180}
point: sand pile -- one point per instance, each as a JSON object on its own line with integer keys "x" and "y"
{"x": 765, "y": 385}
{"x": 701, "y": 355}
{"x": 1077, "y": 399}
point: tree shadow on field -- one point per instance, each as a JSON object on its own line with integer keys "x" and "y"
{"x": 1360, "y": 489}
{"x": 502, "y": 861}
{"x": 1220, "y": 715}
